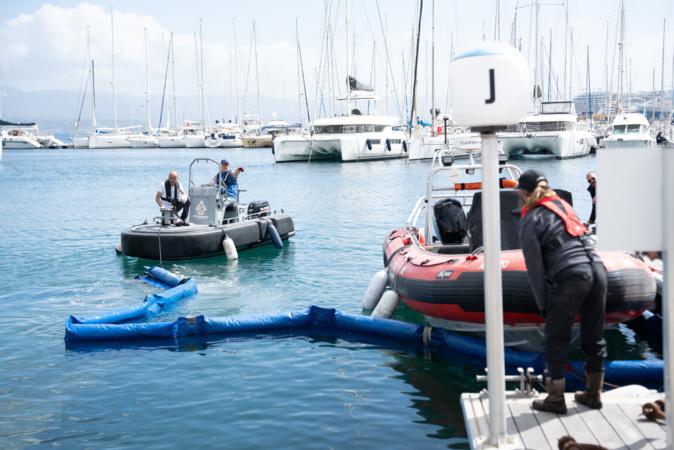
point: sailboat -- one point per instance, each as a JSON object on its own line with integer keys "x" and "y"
{"x": 351, "y": 137}
{"x": 147, "y": 139}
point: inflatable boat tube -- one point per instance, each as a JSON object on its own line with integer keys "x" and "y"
{"x": 469, "y": 350}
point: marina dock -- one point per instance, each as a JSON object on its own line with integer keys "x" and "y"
{"x": 619, "y": 424}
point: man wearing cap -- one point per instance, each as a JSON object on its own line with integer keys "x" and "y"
{"x": 567, "y": 278}
{"x": 229, "y": 179}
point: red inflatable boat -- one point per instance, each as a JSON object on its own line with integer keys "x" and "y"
{"x": 435, "y": 263}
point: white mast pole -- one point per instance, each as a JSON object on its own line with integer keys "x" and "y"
{"x": 93, "y": 85}
{"x": 147, "y": 85}
{"x": 236, "y": 73}
{"x": 662, "y": 76}
{"x": 566, "y": 39}
{"x": 536, "y": 9}
{"x": 201, "y": 76}
{"x": 114, "y": 101}
{"x": 257, "y": 77}
{"x": 173, "y": 82}
{"x": 348, "y": 87}
{"x": 433, "y": 67}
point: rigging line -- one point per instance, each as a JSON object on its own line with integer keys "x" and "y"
{"x": 388, "y": 60}
{"x": 318, "y": 91}
{"x": 83, "y": 86}
{"x": 163, "y": 95}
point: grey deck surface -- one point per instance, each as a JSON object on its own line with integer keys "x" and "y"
{"x": 618, "y": 425}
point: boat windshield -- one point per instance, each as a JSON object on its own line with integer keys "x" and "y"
{"x": 548, "y": 126}
{"x": 627, "y": 129}
{"x": 347, "y": 129}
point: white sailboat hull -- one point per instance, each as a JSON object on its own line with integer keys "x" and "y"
{"x": 561, "y": 144}
{"x": 171, "y": 142}
{"x": 144, "y": 142}
{"x": 461, "y": 145}
{"x": 195, "y": 141}
{"x": 81, "y": 142}
{"x": 99, "y": 141}
{"x": 344, "y": 147}
{"x": 20, "y": 143}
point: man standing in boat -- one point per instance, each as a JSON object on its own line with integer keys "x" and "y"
{"x": 229, "y": 179}
{"x": 567, "y": 278}
{"x": 171, "y": 195}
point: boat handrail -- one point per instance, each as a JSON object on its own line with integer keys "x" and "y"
{"x": 220, "y": 184}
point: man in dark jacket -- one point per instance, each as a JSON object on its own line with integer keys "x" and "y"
{"x": 592, "y": 189}
{"x": 567, "y": 278}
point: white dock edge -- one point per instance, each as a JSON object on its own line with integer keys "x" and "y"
{"x": 619, "y": 424}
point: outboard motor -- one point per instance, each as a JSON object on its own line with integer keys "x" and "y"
{"x": 451, "y": 221}
{"x": 259, "y": 208}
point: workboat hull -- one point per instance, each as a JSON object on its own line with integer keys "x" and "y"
{"x": 158, "y": 242}
{"x": 450, "y": 287}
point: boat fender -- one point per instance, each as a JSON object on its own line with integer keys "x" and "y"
{"x": 388, "y": 144}
{"x": 369, "y": 144}
{"x": 272, "y": 233}
{"x": 387, "y": 305}
{"x": 405, "y": 146}
{"x": 374, "y": 290}
{"x": 230, "y": 248}
{"x": 118, "y": 247}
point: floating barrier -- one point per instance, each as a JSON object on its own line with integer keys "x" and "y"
{"x": 466, "y": 349}
{"x": 176, "y": 289}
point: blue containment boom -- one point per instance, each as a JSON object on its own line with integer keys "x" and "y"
{"x": 469, "y": 350}
{"x": 176, "y": 289}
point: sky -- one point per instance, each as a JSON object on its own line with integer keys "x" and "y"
{"x": 44, "y": 44}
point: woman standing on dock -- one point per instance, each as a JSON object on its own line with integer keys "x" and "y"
{"x": 567, "y": 278}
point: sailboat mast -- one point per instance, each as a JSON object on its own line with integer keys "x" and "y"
{"x": 348, "y": 86}
{"x": 257, "y": 75}
{"x": 566, "y": 39}
{"x": 416, "y": 67}
{"x": 93, "y": 84}
{"x": 147, "y": 84}
{"x": 173, "y": 82}
{"x": 114, "y": 101}
{"x": 433, "y": 66}
{"x": 571, "y": 65}
{"x": 236, "y": 72}
{"x": 620, "y": 54}
{"x": 536, "y": 44}
{"x": 201, "y": 75}
{"x": 587, "y": 77}
{"x": 662, "y": 75}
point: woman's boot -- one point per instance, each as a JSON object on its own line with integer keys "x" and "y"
{"x": 554, "y": 402}
{"x": 591, "y": 397}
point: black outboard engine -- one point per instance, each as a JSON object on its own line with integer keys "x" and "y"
{"x": 451, "y": 220}
{"x": 259, "y": 208}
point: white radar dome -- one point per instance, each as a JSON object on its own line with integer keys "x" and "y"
{"x": 490, "y": 85}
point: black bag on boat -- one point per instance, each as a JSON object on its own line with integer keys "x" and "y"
{"x": 259, "y": 208}
{"x": 451, "y": 221}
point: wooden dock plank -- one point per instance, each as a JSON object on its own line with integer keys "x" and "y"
{"x": 652, "y": 431}
{"x": 529, "y": 430}
{"x": 576, "y": 427}
{"x": 617, "y": 426}
{"x": 624, "y": 427}
{"x": 601, "y": 429}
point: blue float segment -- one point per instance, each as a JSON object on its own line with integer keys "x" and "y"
{"x": 466, "y": 349}
{"x": 160, "y": 277}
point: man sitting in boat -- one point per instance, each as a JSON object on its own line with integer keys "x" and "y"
{"x": 229, "y": 179}
{"x": 171, "y": 195}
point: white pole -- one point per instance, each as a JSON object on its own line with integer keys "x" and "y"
{"x": 147, "y": 86}
{"x": 112, "y": 46}
{"x": 491, "y": 207}
{"x": 668, "y": 275}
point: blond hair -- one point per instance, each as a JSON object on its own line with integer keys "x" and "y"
{"x": 541, "y": 191}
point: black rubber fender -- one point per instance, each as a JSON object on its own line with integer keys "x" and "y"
{"x": 273, "y": 235}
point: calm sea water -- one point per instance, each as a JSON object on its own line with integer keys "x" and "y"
{"x": 64, "y": 211}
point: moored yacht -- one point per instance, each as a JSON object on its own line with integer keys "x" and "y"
{"x": 354, "y": 137}
{"x": 629, "y": 130}
{"x": 460, "y": 141}
{"x": 553, "y": 131}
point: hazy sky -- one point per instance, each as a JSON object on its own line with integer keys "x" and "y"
{"x": 44, "y": 44}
